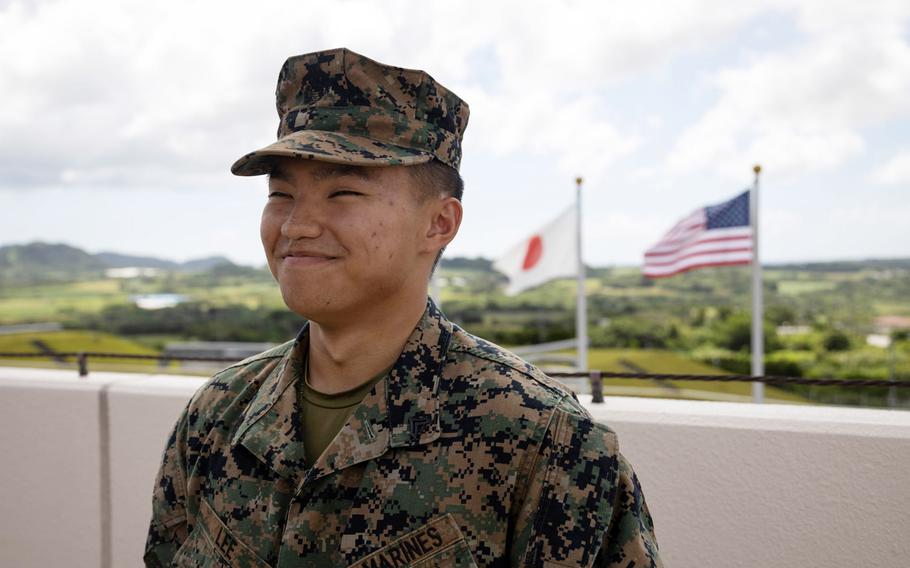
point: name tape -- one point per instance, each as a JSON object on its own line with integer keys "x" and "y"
{"x": 414, "y": 546}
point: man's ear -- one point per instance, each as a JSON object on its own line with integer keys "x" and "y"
{"x": 445, "y": 220}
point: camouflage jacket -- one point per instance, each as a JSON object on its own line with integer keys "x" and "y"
{"x": 464, "y": 455}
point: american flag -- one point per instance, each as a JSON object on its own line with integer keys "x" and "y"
{"x": 717, "y": 235}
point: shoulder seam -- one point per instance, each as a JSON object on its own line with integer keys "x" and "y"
{"x": 480, "y": 354}
{"x": 486, "y": 356}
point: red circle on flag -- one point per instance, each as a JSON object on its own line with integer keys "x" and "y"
{"x": 533, "y": 254}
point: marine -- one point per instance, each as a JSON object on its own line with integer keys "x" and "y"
{"x": 383, "y": 434}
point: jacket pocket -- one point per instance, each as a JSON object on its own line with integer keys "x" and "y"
{"x": 213, "y": 545}
{"x": 438, "y": 542}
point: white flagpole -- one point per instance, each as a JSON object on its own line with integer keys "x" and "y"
{"x": 581, "y": 308}
{"x": 758, "y": 336}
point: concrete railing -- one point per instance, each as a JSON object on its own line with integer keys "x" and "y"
{"x": 728, "y": 484}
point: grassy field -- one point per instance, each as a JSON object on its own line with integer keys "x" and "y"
{"x": 658, "y": 361}
{"x": 49, "y": 302}
{"x": 657, "y": 326}
{"x": 65, "y": 341}
{"x": 612, "y": 360}
{"x": 70, "y": 341}
{"x": 253, "y": 295}
{"x": 795, "y": 287}
{"x": 892, "y": 308}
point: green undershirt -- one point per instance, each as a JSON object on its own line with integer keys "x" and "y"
{"x": 325, "y": 414}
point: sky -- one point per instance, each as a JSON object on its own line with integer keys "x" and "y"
{"x": 119, "y": 120}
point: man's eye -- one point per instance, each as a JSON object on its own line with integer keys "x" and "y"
{"x": 278, "y": 194}
{"x": 342, "y": 192}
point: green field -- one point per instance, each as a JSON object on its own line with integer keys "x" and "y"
{"x": 794, "y": 287}
{"x": 663, "y": 326}
{"x": 50, "y": 302}
{"x": 71, "y": 341}
{"x": 611, "y": 360}
{"x": 253, "y": 295}
{"x": 659, "y": 361}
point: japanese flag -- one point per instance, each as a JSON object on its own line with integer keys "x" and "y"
{"x": 549, "y": 253}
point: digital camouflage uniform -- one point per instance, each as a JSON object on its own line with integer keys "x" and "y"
{"x": 463, "y": 455}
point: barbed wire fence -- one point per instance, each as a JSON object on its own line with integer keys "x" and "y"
{"x": 595, "y": 377}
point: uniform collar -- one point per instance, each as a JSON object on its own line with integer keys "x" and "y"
{"x": 401, "y": 410}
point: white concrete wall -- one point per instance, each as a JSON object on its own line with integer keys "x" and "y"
{"x": 142, "y": 413}
{"x": 49, "y": 486}
{"x": 742, "y": 485}
{"x": 728, "y": 484}
{"x": 53, "y": 473}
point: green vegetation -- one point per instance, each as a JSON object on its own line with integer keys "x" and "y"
{"x": 72, "y": 341}
{"x": 817, "y": 316}
{"x": 656, "y": 361}
{"x": 67, "y": 341}
{"x": 816, "y": 320}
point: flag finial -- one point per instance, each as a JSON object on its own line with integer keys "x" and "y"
{"x": 756, "y": 168}
{"x": 578, "y": 180}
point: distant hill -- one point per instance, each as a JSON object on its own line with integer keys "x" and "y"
{"x": 847, "y": 265}
{"x": 117, "y": 260}
{"x": 484, "y": 265}
{"x": 464, "y": 263}
{"x": 43, "y": 263}
{"x": 48, "y": 255}
{"x": 202, "y": 264}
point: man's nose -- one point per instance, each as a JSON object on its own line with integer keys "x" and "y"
{"x": 303, "y": 221}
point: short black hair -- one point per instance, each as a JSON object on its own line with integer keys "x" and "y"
{"x": 435, "y": 178}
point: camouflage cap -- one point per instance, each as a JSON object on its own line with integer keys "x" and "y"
{"x": 339, "y": 106}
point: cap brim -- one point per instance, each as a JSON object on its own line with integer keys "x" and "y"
{"x": 330, "y": 147}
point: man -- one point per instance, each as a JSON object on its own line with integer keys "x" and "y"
{"x": 384, "y": 435}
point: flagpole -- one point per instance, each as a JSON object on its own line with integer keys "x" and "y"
{"x": 581, "y": 308}
{"x": 758, "y": 335}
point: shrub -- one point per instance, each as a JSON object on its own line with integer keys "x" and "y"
{"x": 836, "y": 341}
{"x": 735, "y": 334}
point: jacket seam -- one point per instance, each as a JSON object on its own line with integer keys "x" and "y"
{"x": 509, "y": 364}
{"x": 541, "y": 513}
{"x": 180, "y": 431}
{"x": 535, "y": 457}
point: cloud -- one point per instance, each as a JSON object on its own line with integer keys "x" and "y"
{"x": 801, "y": 110}
{"x": 106, "y": 93}
{"x": 896, "y": 171}
{"x": 117, "y": 100}
{"x": 571, "y": 132}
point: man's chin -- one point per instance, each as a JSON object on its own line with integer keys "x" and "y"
{"x": 317, "y": 308}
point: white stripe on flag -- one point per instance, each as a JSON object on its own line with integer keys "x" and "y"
{"x": 720, "y": 238}
{"x": 698, "y": 261}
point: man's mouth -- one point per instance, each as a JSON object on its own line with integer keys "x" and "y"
{"x": 307, "y": 258}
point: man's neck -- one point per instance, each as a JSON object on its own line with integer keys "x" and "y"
{"x": 342, "y": 357}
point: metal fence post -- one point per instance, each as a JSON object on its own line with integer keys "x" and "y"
{"x": 597, "y": 387}
{"x": 82, "y": 358}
